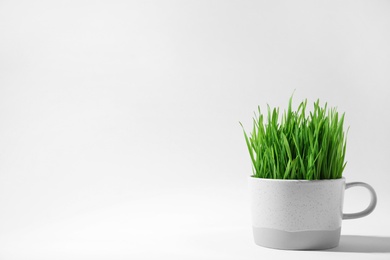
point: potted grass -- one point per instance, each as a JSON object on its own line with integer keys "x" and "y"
{"x": 297, "y": 186}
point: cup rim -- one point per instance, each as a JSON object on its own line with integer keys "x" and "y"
{"x": 294, "y": 180}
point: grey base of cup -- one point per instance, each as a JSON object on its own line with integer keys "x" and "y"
{"x": 301, "y": 240}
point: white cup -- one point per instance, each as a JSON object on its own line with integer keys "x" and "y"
{"x": 301, "y": 214}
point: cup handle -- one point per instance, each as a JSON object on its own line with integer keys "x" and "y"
{"x": 370, "y": 207}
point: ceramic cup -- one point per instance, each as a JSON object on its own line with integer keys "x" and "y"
{"x": 301, "y": 214}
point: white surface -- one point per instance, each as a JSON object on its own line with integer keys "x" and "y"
{"x": 119, "y": 134}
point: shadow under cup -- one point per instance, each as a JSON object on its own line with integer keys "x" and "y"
{"x": 300, "y": 214}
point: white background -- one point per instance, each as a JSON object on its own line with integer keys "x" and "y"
{"x": 119, "y": 133}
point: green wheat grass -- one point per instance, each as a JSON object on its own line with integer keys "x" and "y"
{"x": 297, "y": 144}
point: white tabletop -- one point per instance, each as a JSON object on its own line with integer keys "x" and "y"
{"x": 212, "y": 224}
